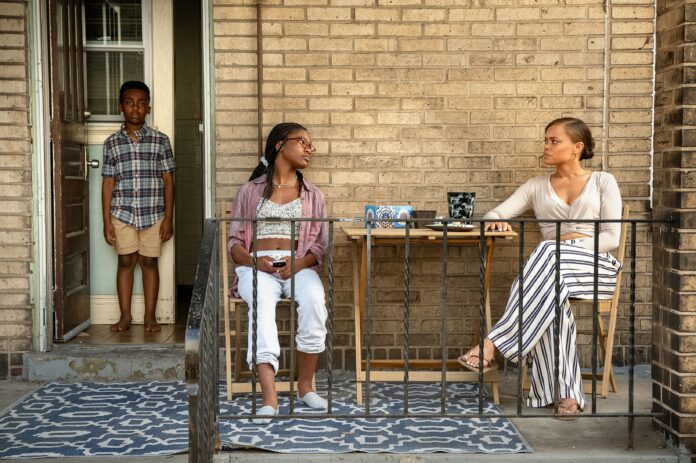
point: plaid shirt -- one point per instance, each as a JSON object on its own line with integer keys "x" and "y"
{"x": 137, "y": 166}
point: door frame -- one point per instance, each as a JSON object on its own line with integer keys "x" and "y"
{"x": 208, "y": 128}
{"x": 42, "y": 228}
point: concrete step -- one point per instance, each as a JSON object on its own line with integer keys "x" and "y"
{"x": 109, "y": 363}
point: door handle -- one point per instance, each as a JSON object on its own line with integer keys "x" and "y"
{"x": 87, "y": 114}
{"x": 93, "y": 163}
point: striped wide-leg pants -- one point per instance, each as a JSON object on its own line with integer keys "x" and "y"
{"x": 539, "y": 312}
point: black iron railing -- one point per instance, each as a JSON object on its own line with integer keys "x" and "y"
{"x": 202, "y": 336}
{"x": 202, "y": 350}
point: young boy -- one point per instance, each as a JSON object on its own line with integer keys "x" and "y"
{"x": 137, "y": 200}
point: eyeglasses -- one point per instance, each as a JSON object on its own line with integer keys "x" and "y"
{"x": 304, "y": 143}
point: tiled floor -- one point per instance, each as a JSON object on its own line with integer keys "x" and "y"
{"x": 100, "y": 335}
{"x": 170, "y": 334}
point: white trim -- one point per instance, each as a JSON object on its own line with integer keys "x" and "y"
{"x": 42, "y": 279}
{"x": 606, "y": 83}
{"x": 162, "y": 59}
{"x": 208, "y": 128}
{"x": 97, "y": 133}
{"x": 124, "y": 46}
{"x": 104, "y": 310}
{"x": 162, "y": 115}
{"x": 147, "y": 25}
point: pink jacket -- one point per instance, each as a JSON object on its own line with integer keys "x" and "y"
{"x": 312, "y": 237}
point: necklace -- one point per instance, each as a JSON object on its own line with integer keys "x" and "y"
{"x": 281, "y": 185}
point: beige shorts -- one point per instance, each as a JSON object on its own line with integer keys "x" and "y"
{"x": 146, "y": 242}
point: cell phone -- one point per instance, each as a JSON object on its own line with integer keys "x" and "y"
{"x": 279, "y": 263}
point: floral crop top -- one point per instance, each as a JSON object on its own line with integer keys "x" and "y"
{"x": 277, "y": 229}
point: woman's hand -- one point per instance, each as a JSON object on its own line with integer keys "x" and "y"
{"x": 498, "y": 226}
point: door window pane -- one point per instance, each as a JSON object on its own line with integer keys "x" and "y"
{"x": 114, "y": 52}
{"x": 109, "y": 23}
{"x": 106, "y": 71}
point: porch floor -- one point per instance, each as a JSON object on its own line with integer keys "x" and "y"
{"x": 584, "y": 440}
{"x": 99, "y": 335}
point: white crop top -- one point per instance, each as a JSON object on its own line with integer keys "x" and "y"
{"x": 600, "y": 199}
{"x": 268, "y": 209}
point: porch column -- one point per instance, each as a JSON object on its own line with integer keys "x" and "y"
{"x": 674, "y": 271}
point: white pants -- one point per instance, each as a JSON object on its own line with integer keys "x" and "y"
{"x": 311, "y": 310}
{"x": 539, "y": 312}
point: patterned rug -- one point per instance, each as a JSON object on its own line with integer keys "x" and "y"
{"x": 378, "y": 435}
{"x": 91, "y": 419}
{"x": 145, "y": 419}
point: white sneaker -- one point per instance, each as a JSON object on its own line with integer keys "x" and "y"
{"x": 312, "y": 400}
{"x": 266, "y": 410}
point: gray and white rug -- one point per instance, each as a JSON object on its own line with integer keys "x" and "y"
{"x": 379, "y": 435}
{"x": 144, "y": 419}
{"x": 95, "y": 419}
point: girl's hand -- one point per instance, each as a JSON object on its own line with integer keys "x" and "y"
{"x": 284, "y": 271}
{"x": 498, "y": 226}
{"x": 264, "y": 263}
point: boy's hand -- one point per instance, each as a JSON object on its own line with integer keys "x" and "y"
{"x": 109, "y": 234}
{"x": 166, "y": 230}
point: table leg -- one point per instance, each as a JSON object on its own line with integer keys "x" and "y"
{"x": 490, "y": 246}
{"x": 359, "y": 282}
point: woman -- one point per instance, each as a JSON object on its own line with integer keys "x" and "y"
{"x": 278, "y": 189}
{"x": 571, "y": 192}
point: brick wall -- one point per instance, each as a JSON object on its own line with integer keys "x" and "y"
{"x": 15, "y": 190}
{"x": 409, "y": 99}
{"x": 674, "y": 280}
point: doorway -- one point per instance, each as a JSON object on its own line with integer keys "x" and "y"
{"x": 188, "y": 115}
{"x": 185, "y": 113}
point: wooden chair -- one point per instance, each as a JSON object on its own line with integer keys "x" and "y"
{"x": 231, "y": 307}
{"x": 605, "y": 333}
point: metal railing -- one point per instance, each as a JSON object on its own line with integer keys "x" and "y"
{"x": 202, "y": 336}
{"x": 202, "y": 347}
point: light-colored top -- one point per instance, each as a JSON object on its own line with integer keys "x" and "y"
{"x": 268, "y": 209}
{"x": 600, "y": 199}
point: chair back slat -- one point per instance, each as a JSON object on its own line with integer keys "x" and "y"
{"x": 620, "y": 255}
{"x": 225, "y": 211}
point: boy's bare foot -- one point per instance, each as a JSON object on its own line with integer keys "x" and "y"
{"x": 123, "y": 324}
{"x": 151, "y": 325}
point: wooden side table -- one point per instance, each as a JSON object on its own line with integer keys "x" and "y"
{"x": 417, "y": 237}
